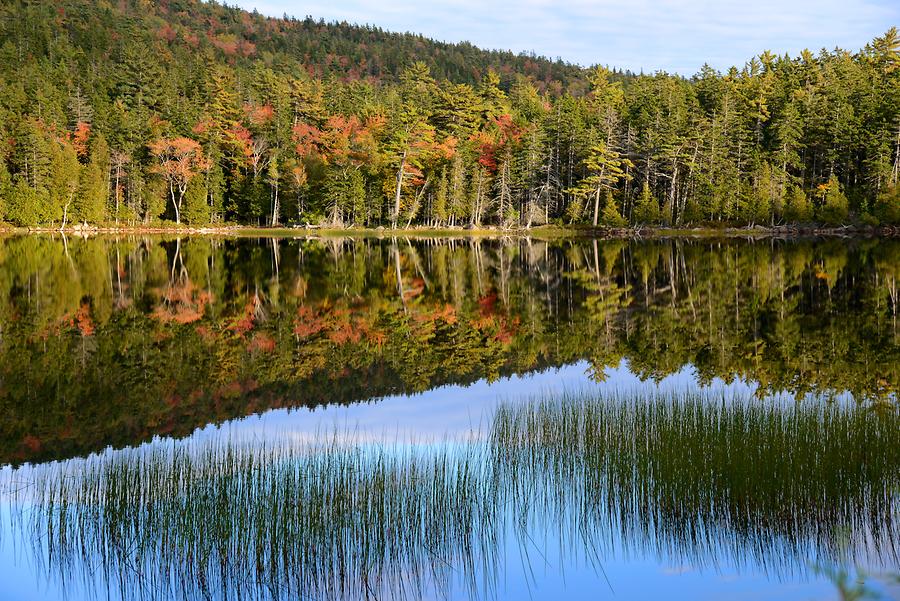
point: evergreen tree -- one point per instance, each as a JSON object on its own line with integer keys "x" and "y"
{"x": 90, "y": 202}
{"x": 797, "y": 208}
{"x": 612, "y": 217}
{"x": 833, "y": 209}
{"x": 196, "y": 209}
{"x": 887, "y": 207}
{"x": 646, "y": 209}
{"x": 605, "y": 168}
{"x": 24, "y": 205}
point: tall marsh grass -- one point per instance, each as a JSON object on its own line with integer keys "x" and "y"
{"x": 689, "y": 478}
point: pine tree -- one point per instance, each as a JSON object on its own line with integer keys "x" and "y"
{"x": 612, "y": 217}
{"x": 439, "y": 211}
{"x": 605, "y": 169}
{"x": 65, "y": 176}
{"x": 24, "y": 206}
{"x": 887, "y": 206}
{"x": 797, "y": 208}
{"x": 196, "y": 209}
{"x": 834, "y": 207}
{"x": 90, "y": 202}
{"x": 646, "y": 209}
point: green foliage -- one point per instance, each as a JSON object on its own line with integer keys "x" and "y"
{"x": 887, "y": 207}
{"x": 196, "y": 209}
{"x": 797, "y": 208}
{"x": 605, "y": 168}
{"x": 834, "y": 207}
{"x": 25, "y": 204}
{"x": 612, "y": 217}
{"x": 345, "y": 196}
{"x": 153, "y": 198}
{"x": 765, "y": 203}
{"x": 646, "y": 208}
{"x": 439, "y": 211}
{"x": 5, "y": 189}
{"x": 90, "y": 202}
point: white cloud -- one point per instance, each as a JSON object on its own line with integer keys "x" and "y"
{"x": 672, "y": 35}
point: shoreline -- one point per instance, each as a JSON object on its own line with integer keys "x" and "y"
{"x": 537, "y": 232}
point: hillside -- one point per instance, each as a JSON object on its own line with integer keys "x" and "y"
{"x": 349, "y": 52}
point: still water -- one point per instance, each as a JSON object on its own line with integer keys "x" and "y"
{"x": 462, "y": 419}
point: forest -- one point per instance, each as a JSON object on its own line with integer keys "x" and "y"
{"x": 139, "y": 112}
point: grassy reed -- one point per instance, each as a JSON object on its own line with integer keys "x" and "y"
{"x": 689, "y": 478}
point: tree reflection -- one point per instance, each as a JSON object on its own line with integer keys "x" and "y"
{"x": 110, "y": 341}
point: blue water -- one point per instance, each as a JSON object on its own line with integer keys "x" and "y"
{"x": 545, "y": 568}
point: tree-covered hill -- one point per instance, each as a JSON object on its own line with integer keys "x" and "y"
{"x": 131, "y": 111}
{"x": 235, "y": 36}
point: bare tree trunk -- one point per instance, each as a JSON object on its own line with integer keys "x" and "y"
{"x": 895, "y": 173}
{"x": 415, "y": 207}
{"x": 399, "y": 273}
{"x": 176, "y": 203}
{"x": 275, "y": 205}
{"x": 396, "y": 216}
{"x": 597, "y": 201}
{"x": 476, "y": 212}
{"x": 65, "y": 214}
{"x": 116, "y": 192}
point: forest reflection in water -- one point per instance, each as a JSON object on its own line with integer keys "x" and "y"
{"x": 113, "y": 341}
{"x": 697, "y": 480}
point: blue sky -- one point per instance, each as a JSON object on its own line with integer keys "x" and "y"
{"x": 672, "y": 35}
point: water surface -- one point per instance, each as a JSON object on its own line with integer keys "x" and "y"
{"x": 121, "y": 354}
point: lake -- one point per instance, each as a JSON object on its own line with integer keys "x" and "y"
{"x": 378, "y": 418}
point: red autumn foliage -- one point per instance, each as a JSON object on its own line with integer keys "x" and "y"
{"x": 202, "y": 126}
{"x": 246, "y": 320}
{"x": 307, "y": 139}
{"x": 243, "y": 139}
{"x": 83, "y": 320}
{"x": 167, "y": 33}
{"x": 447, "y": 314}
{"x": 179, "y": 158}
{"x": 505, "y": 132}
{"x": 80, "y": 139}
{"x": 486, "y": 304}
{"x": 246, "y": 48}
{"x": 191, "y": 39}
{"x": 182, "y": 303}
{"x": 376, "y": 337}
{"x": 205, "y": 333}
{"x": 228, "y": 46}
{"x": 509, "y": 131}
{"x": 487, "y": 151}
{"x": 345, "y": 332}
{"x": 259, "y": 114}
{"x": 32, "y": 443}
{"x": 416, "y": 287}
{"x": 261, "y": 343}
{"x": 507, "y": 331}
{"x": 308, "y": 322}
